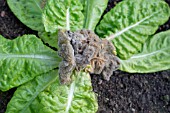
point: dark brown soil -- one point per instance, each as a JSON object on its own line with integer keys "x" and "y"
{"x": 10, "y": 26}
{"x": 134, "y": 93}
{"x": 124, "y": 93}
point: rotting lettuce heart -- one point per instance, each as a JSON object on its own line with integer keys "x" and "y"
{"x": 44, "y": 94}
{"x": 28, "y": 12}
{"x": 63, "y": 14}
{"x": 155, "y": 56}
{"x": 93, "y": 10}
{"x": 24, "y": 58}
{"x": 84, "y": 50}
{"x": 130, "y": 23}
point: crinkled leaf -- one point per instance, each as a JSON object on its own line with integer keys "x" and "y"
{"x": 63, "y": 14}
{"x": 75, "y": 98}
{"x": 24, "y": 58}
{"x": 131, "y": 22}
{"x": 155, "y": 56}
{"x": 83, "y": 2}
{"x": 93, "y": 11}
{"x": 46, "y": 95}
{"x": 26, "y": 97}
{"x": 49, "y": 38}
{"x": 28, "y": 12}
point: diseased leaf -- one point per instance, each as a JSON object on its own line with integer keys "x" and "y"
{"x": 45, "y": 95}
{"x": 24, "y": 58}
{"x": 28, "y": 12}
{"x": 93, "y": 11}
{"x": 63, "y": 14}
{"x": 49, "y": 38}
{"x": 155, "y": 56}
{"x": 131, "y": 22}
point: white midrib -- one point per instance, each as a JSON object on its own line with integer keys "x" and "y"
{"x": 35, "y": 1}
{"x": 31, "y": 56}
{"x": 36, "y": 94}
{"x": 70, "y": 96}
{"x": 149, "y": 54}
{"x": 129, "y": 27}
{"x": 68, "y": 19}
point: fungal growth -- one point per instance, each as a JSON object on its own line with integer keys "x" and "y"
{"x": 84, "y": 50}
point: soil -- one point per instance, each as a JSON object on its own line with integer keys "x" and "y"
{"x": 124, "y": 93}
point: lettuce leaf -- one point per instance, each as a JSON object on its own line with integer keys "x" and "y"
{"x": 129, "y": 24}
{"x": 155, "y": 56}
{"x": 44, "y": 94}
{"x": 93, "y": 10}
{"x": 63, "y": 14}
{"x": 28, "y": 12}
{"x": 49, "y": 38}
{"x": 24, "y": 58}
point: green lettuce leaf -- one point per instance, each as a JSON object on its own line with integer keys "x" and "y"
{"x": 93, "y": 11}
{"x": 24, "y": 58}
{"x": 155, "y": 56}
{"x": 49, "y": 38}
{"x": 130, "y": 23}
{"x": 25, "y": 99}
{"x": 45, "y": 95}
{"x": 28, "y": 12}
{"x": 63, "y": 14}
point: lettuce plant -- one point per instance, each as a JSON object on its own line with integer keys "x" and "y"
{"x": 27, "y": 63}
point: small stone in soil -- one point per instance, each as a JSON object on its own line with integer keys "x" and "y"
{"x": 2, "y": 13}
